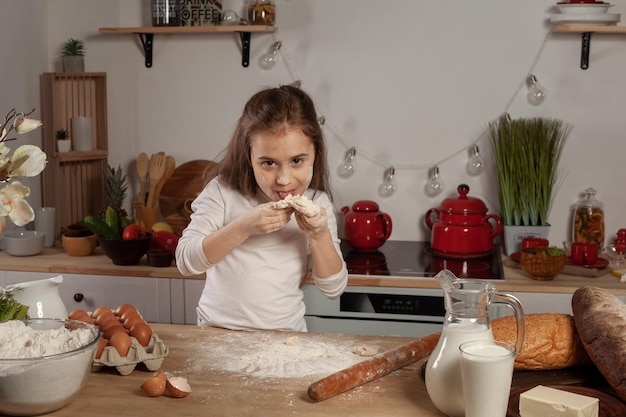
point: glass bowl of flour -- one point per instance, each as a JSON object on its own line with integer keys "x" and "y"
{"x": 44, "y": 364}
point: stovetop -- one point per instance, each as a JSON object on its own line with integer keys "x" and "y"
{"x": 415, "y": 259}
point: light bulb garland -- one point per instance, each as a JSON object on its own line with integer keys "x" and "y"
{"x": 434, "y": 184}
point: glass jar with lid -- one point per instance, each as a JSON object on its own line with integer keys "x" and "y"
{"x": 588, "y": 221}
{"x": 261, "y": 12}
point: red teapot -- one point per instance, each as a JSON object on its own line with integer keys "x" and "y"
{"x": 366, "y": 227}
{"x": 462, "y": 228}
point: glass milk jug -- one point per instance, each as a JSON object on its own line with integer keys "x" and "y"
{"x": 467, "y": 304}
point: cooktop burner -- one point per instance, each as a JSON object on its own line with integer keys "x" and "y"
{"x": 416, "y": 259}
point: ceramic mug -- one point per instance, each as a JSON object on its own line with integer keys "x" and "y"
{"x": 534, "y": 242}
{"x": 584, "y": 253}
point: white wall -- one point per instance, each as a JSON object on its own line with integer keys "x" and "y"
{"x": 408, "y": 83}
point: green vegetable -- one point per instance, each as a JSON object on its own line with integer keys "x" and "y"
{"x": 9, "y": 308}
{"x": 125, "y": 221}
{"x": 113, "y": 221}
{"x": 100, "y": 228}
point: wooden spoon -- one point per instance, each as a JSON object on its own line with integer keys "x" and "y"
{"x": 141, "y": 163}
{"x": 156, "y": 169}
{"x": 170, "y": 166}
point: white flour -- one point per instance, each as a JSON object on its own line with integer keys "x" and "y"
{"x": 18, "y": 341}
{"x": 264, "y": 356}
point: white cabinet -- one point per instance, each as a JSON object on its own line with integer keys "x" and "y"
{"x": 185, "y": 296}
{"x": 151, "y": 296}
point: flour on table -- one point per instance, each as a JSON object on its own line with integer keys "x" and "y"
{"x": 264, "y": 355}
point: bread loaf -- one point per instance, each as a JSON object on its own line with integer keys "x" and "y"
{"x": 551, "y": 341}
{"x": 600, "y": 318}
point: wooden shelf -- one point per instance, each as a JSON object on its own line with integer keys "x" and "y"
{"x": 146, "y": 35}
{"x": 589, "y": 28}
{"x": 586, "y": 31}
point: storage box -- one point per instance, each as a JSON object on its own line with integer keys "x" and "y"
{"x": 200, "y": 12}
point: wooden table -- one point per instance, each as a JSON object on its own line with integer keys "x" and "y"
{"x": 193, "y": 351}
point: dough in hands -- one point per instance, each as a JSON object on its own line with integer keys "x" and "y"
{"x": 300, "y": 203}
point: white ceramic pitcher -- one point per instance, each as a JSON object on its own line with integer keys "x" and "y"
{"x": 42, "y": 297}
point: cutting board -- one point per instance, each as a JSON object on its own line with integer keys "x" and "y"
{"x": 185, "y": 183}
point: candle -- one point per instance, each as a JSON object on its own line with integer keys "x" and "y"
{"x": 82, "y": 133}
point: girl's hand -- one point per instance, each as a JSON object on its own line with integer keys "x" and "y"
{"x": 265, "y": 219}
{"x": 312, "y": 226}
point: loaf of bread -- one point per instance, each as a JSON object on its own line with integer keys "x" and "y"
{"x": 600, "y": 318}
{"x": 551, "y": 341}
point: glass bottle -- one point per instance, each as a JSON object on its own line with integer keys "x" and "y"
{"x": 588, "y": 221}
{"x": 165, "y": 12}
{"x": 261, "y": 12}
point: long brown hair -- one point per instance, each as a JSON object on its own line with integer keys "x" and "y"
{"x": 273, "y": 110}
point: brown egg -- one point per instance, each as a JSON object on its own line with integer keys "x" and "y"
{"x": 132, "y": 320}
{"x": 142, "y": 332}
{"x": 101, "y": 345}
{"x": 112, "y": 330}
{"x": 76, "y": 313}
{"x": 123, "y": 308}
{"x": 155, "y": 385}
{"x": 104, "y": 317}
{"x": 129, "y": 313}
{"x": 121, "y": 342}
{"x": 86, "y": 318}
{"x": 100, "y": 310}
{"x": 178, "y": 387}
{"x": 108, "y": 324}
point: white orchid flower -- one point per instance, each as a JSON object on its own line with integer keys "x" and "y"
{"x": 27, "y": 161}
{"x": 25, "y": 124}
{"x": 14, "y": 205}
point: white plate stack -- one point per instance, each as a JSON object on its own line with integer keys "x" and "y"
{"x": 583, "y": 12}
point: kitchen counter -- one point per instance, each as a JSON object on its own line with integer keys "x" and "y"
{"x": 197, "y": 353}
{"x": 55, "y": 260}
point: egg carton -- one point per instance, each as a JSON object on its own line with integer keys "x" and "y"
{"x": 152, "y": 356}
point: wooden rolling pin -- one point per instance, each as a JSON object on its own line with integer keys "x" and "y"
{"x": 373, "y": 368}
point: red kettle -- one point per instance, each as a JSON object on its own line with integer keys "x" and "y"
{"x": 462, "y": 227}
{"x": 366, "y": 227}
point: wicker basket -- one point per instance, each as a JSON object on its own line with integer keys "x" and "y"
{"x": 541, "y": 265}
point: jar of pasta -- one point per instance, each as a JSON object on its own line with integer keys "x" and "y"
{"x": 261, "y": 12}
{"x": 588, "y": 222}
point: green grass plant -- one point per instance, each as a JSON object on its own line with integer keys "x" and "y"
{"x": 527, "y": 153}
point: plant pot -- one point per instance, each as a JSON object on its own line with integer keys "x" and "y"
{"x": 73, "y": 63}
{"x": 64, "y": 145}
{"x": 512, "y": 236}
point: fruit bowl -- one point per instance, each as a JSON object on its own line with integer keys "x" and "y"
{"x": 543, "y": 264}
{"x": 126, "y": 252}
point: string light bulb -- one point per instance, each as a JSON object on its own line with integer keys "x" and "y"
{"x": 435, "y": 184}
{"x": 389, "y": 184}
{"x": 269, "y": 59}
{"x": 347, "y": 168}
{"x": 536, "y": 93}
{"x": 476, "y": 163}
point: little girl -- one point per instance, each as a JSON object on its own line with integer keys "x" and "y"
{"x": 255, "y": 251}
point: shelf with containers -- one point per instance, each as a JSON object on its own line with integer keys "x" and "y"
{"x": 146, "y": 35}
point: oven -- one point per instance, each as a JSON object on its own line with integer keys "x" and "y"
{"x": 393, "y": 311}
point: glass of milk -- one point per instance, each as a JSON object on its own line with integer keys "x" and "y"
{"x": 486, "y": 373}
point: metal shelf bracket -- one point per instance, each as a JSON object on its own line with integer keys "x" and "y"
{"x": 245, "y": 48}
{"x": 147, "y": 40}
{"x": 584, "y": 52}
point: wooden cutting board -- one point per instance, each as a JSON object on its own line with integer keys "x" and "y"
{"x": 185, "y": 183}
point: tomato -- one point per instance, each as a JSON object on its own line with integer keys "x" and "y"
{"x": 164, "y": 240}
{"x": 134, "y": 231}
